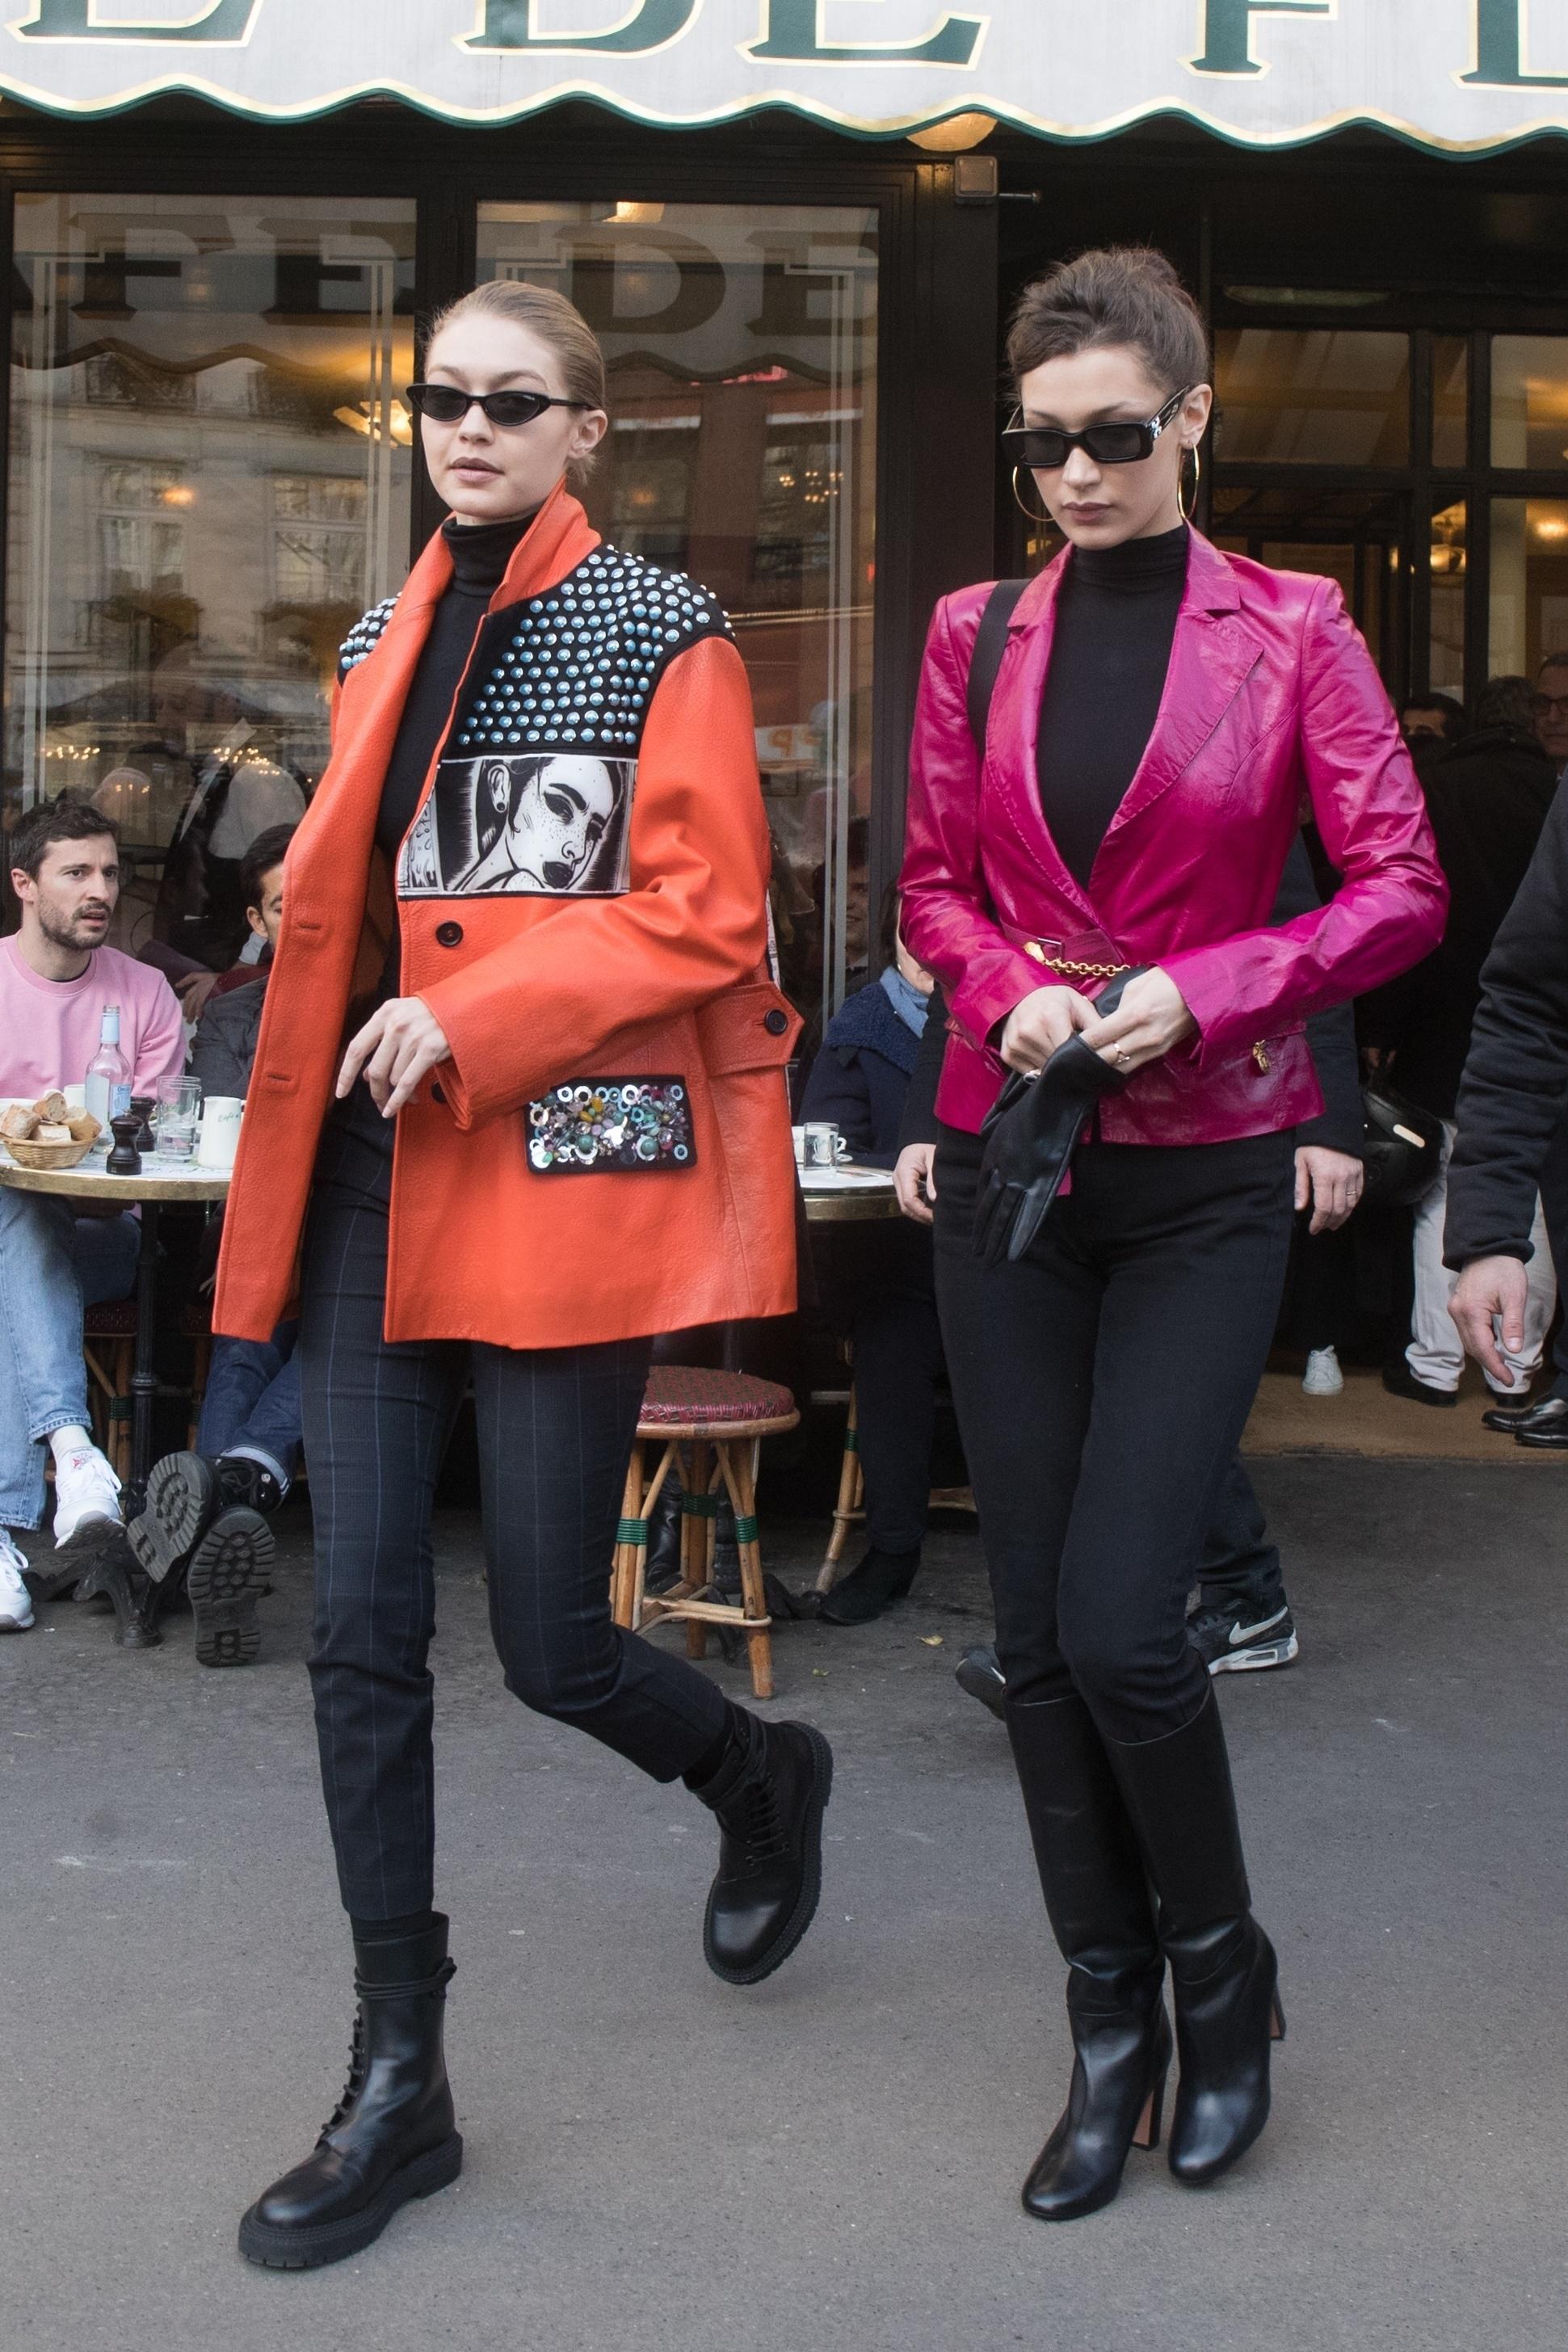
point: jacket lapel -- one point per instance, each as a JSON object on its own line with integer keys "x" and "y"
{"x": 1212, "y": 653}
{"x": 1012, "y": 737}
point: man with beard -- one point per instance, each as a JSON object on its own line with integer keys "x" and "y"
{"x": 56, "y": 978}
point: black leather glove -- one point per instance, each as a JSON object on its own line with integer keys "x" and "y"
{"x": 1030, "y": 1135}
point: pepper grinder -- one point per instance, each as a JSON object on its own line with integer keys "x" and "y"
{"x": 125, "y": 1159}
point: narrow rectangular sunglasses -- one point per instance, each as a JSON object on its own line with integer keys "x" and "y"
{"x": 445, "y": 403}
{"x": 1044, "y": 447}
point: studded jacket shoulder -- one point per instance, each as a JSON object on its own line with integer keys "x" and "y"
{"x": 536, "y": 778}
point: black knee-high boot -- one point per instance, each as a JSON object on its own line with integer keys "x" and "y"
{"x": 1097, "y": 1895}
{"x": 396, "y": 2133}
{"x": 1225, "y": 1978}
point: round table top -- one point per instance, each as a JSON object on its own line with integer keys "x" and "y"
{"x": 88, "y": 1182}
{"x": 848, "y": 1195}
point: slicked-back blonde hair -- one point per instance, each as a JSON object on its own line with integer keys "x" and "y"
{"x": 556, "y": 322}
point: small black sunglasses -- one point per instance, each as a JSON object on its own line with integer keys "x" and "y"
{"x": 1043, "y": 447}
{"x": 443, "y": 404}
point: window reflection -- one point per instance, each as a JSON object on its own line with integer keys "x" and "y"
{"x": 1312, "y": 396}
{"x": 741, "y": 351}
{"x": 1446, "y": 662}
{"x": 1450, "y": 399}
{"x": 210, "y": 472}
{"x": 1530, "y": 402}
{"x": 1529, "y": 583}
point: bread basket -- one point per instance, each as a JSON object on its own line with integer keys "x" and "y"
{"x": 48, "y": 1155}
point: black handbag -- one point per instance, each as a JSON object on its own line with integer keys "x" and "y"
{"x": 1403, "y": 1149}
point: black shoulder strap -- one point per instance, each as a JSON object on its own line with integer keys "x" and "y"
{"x": 991, "y": 644}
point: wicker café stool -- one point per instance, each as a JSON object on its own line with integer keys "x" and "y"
{"x": 709, "y": 1426}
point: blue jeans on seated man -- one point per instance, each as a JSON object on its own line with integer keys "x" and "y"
{"x": 53, "y": 1266}
{"x": 252, "y": 1403}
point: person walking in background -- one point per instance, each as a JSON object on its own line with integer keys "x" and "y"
{"x": 559, "y": 1125}
{"x": 1487, "y": 798}
{"x": 207, "y": 1510}
{"x": 860, "y": 1080}
{"x": 1157, "y": 710}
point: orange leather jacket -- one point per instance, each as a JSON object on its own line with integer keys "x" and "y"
{"x": 633, "y": 947}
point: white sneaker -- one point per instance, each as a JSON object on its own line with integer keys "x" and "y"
{"x": 1322, "y": 1376}
{"x": 85, "y": 1488}
{"x": 15, "y": 1601}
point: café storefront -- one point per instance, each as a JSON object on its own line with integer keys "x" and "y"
{"x": 226, "y": 222}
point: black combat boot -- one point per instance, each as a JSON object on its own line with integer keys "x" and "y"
{"x": 770, "y": 1790}
{"x": 1225, "y": 1978}
{"x": 394, "y": 2135}
{"x": 1097, "y": 1895}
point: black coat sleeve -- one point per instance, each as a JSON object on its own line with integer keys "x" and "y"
{"x": 1515, "y": 1086}
{"x": 919, "y": 1122}
{"x": 1331, "y": 1036}
{"x": 224, "y": 1045}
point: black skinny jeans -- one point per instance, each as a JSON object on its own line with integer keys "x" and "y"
{"x": 555, "y": 1427}
{"x": 1102, "y": 1386}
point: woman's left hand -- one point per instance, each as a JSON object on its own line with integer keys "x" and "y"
{"x": 400, "y": 1042}
{"x": 1150, "y": 1018}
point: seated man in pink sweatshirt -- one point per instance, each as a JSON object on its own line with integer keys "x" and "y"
{"x": 56, "y": 978}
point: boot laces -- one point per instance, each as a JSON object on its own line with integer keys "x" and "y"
{"x": 758, "y": 1823}
{"x": 358, "y": 2067}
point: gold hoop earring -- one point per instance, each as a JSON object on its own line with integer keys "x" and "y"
{"x": 1018, "y": 501}
{"x": 1188, "y": 508}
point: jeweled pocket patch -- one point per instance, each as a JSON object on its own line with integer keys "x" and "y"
{"x": 599, "y": 1126}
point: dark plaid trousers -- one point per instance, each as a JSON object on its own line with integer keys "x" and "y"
{"x": 555, "y": 1428}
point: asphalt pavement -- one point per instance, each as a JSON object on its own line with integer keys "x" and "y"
{"x": 832, "y": 2159}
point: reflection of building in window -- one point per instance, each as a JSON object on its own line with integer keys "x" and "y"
{"x": 318, "y": 539}
{"x": 654, "y": 461}
{"x": 802, "y": 477}
{"x": 141, "y": 535}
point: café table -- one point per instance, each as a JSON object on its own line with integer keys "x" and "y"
{"x": 159, "y": 1184}
{"x": 848, "y": 1195}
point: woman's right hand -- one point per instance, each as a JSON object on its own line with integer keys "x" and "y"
{"x": 1040, "y": 1023}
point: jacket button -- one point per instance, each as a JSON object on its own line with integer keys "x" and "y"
{"x": 776, "y": 1022}
{"x": 449, "y": 935}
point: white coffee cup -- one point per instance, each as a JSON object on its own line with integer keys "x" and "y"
{"x": 220, "y": 1131}
{"x": 825, "y": 1146}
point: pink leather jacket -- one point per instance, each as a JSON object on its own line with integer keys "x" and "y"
{"x": 1270, "y": 695}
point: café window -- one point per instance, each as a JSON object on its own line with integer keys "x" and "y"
{"x": 1312, "y": 396}
{"x": 210, "y": 478}
{"x": 1528, "y": 583}
{"x": 741, "y": 346}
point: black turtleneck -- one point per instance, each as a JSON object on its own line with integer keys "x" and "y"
{"x": 1116, "y": 618}
{"x": 480, "y": 554}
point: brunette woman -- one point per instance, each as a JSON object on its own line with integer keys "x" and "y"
{"x": 519, "y": 1098}
{"x": 1159, "y": 711}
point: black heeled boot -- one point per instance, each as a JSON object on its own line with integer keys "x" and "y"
{"x": 1225, "y": 1978}
{"x": 395, "y": 2134}
{"x": 1097, "y": 1897}
{"x": 770, "y": 1790}
{"x": 881, "y": 1577}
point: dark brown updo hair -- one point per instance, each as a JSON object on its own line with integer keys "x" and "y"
{"x": 1119, "y": 294}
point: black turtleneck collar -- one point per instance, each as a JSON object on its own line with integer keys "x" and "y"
{"x": 482, "y": 550}
{"x": 1137, "y": 566}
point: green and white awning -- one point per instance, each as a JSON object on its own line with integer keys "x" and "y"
{"x": 1456, "y": 75}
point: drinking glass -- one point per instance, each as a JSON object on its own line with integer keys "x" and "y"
{"x": 178, "y": 1120}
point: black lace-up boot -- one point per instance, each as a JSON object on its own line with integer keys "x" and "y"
{"x": 1225, "y": 1978}
{"x": 1097, "y": 1895}
{"x": 770, "y": 1790}
{"x": 395, "y": 2134}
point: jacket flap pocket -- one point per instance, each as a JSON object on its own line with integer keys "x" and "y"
{"x": 750, "y": 1027}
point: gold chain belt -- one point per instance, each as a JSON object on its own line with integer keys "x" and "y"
{"x": 1078, "y": 970}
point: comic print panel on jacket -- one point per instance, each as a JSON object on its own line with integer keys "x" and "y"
{"x": 536, "y": 781}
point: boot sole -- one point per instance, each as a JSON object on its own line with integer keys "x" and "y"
{"x": 805, "y": 1909}
{"x": 224, "y": 1582}
{"x": 178, "y": 1500}
{"x": 311, "y": 2248}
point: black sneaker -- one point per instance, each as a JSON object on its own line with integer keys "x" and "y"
{"x": 1232, "y": 1640}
